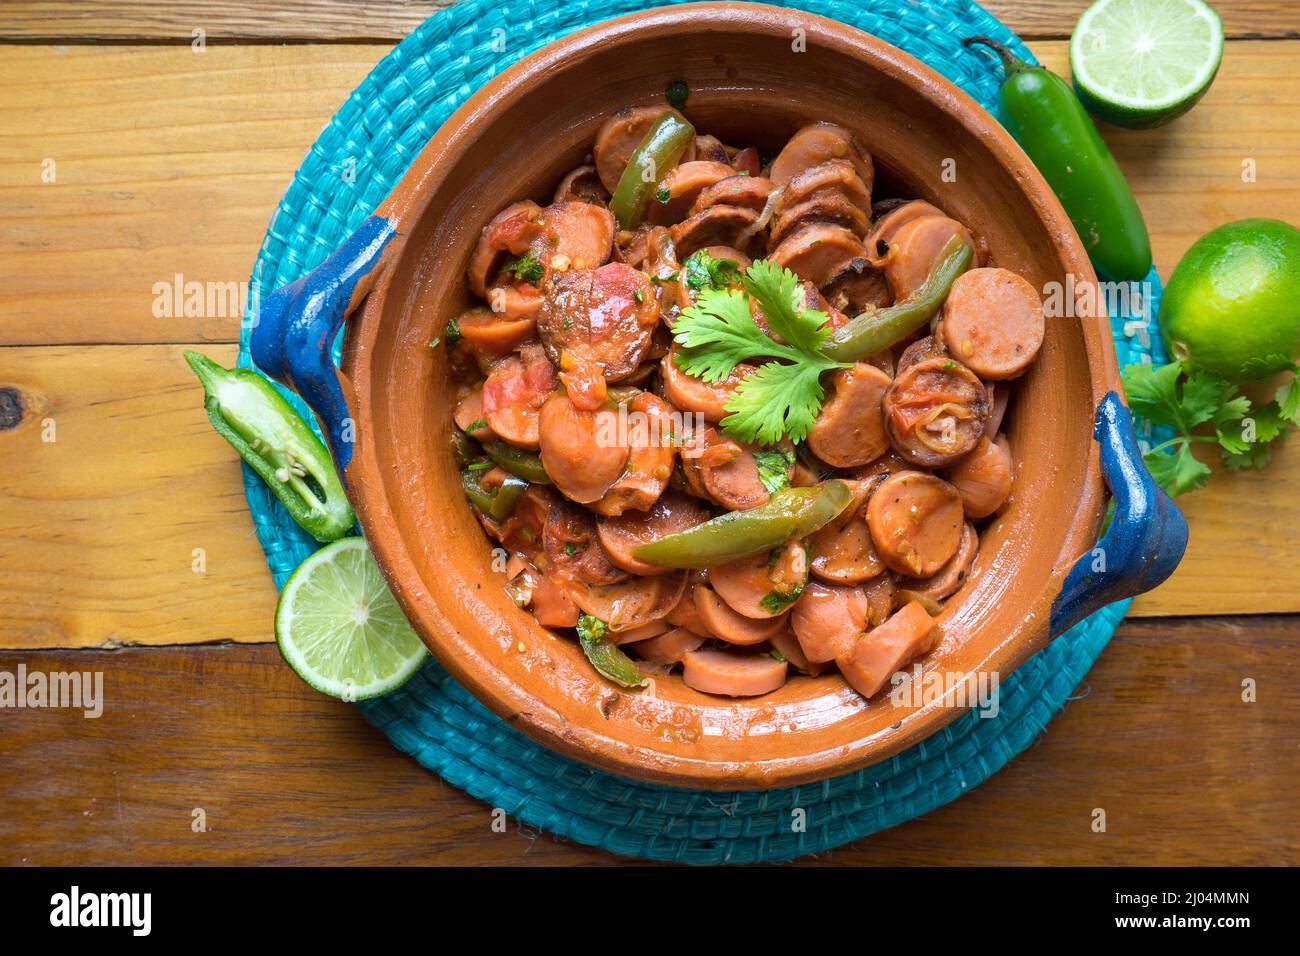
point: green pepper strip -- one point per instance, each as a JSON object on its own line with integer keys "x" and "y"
{"x": 462, "y": 447}
{"x": 480, "y": 497}
{"x": 247, "y": 411}
{"x": 789, "y": 513}
{"x": 1050, "y": 123}
{"x": 877, "y": 329}
{"x": 518, "y": 462}
{"x": 659, "y": 152}
{"x": 604, "y": 654}
{"x": 507, "y": 497}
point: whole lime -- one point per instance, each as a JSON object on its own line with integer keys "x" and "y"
{"x": 1232, "y": 306}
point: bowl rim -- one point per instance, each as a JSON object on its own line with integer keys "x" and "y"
{"x": 525, "y": 710}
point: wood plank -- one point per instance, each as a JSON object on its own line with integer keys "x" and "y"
{"x": 167, "y": 163}
{"x": 352, "y": 20}
{"x": 286, "y": 776}
{"x": 100, "y": 525}
{"x": 170, "y": 162}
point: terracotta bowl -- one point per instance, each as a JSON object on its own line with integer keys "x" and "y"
{"x": 388, "y": 415}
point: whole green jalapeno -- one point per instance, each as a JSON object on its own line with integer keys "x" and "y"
{"x": 1052, "y": 126}
{"x": 247, "y": 411}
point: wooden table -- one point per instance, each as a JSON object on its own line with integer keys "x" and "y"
{"x": 141, "y": 141}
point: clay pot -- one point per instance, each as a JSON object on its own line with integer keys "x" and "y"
{"x": 515, "y": 139}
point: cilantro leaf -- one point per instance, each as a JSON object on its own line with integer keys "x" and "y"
{"x": 527, "y": 267}
{"x": 705, "y": 272}
{"x": 774, "y": 467}
{"x": 718, "y": 332}
{"x": 1178, "y": 472}
{"x": 776, "y": 290}
{"x": 1288, "y": 398}
{"x": 1156, "y": 395}
{"x": 777, "y": 400}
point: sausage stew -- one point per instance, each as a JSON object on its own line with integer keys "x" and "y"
{"x": 632, "y": 506}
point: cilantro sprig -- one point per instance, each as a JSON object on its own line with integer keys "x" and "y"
{"x": 1203, "y": 408}
{"x": 718, "y": 332}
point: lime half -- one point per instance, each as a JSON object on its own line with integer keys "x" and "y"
{"x": 1141, "y": 63}
{"x": 340, "y": 628}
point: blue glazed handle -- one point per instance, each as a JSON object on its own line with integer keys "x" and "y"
{"x": 297, "y": 324}
{"x": 1147, "y": 534}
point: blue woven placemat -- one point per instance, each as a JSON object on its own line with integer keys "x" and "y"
{"x": 357, "y": 160}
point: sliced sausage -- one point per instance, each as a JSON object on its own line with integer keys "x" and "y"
{"x": 711, "y": 149}
{"x": 825, "y": 207}
{"x": 632, "y": 603}
{"x": 607, "y": 316}
{"x": 515, "y": 390}
{"x": 762, "y": 586}
{"x": 715, "y": 226}
{"x": 622, "y": 535}
{"x": 619, "y": 137}
{"x": 512, "y": 231}
{"x": 642, "y": 633}
{"x": 692, "y": 394}
{"x": 787, "y": 645}
{"x": 582, "y": 465}
{"x": 935, "y": 412}
{"x": 732, "y": 675}
{"x": 678, "y": 190}
{"x": 685, "y": 613}
{"x": 880, "y": 654}
{"x": 922, "y": 348}
{"x": 842, "y": 551}
{"x": 993, "y": 322}
{"x": 835, "y": 176}
{"x": 857, "y": 288}
{"x": 726, "y": 625}
{"x": 815, "y": 144}
{"x": 949, "y": 578}
{"x": 469, "y": 416}
{"x": 515, "y": 302}
{"x": 551, "y": 604}
{"x": 881, "y": 592}
{"x": 747, "y": 162}
{"x": 915, "y": 252}
{"x": 818, "y": 252}
{"x": 575, "y": 235}
{"x": 490, "y": 336}
{"x": 752, "y": 192}
{"x": 724, "y": 471}
{"x": 886, "y": 227}
{"x": 850, "y": 427}
{"x": 983, "y": 477}
{"x": 915, "y": 521}
{"x": 827, "y": 619}
{"x": 650, "y": 457}
{"x": 582, "y": 184}
{"x": 572, "y": 546}
{"x": 668, "y": 648}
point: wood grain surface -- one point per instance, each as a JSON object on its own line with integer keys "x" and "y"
{"x": 1158, "y": 737}
{"x": 169, "y": 162}
{"x": 338, "y": 20}
{"x": 128, "y": 157}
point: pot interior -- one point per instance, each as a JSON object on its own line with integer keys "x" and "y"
{"x": 748, "y": 86}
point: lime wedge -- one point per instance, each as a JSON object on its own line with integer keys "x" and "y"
{"x": 339, "y": 627}
{"x": 1141, "y": 63}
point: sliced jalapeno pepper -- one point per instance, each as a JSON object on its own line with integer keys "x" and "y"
{"x": 507, "y": 497}
{"x": 463, "y": 447}
{"x": 877, "y": 329}
{"x": 789, "y": 513}
{"x": 518, "y": 462}
{"x": 480, "y": 497}
{"x": 656, "y": 154}
{"x": 604, "y": 654}
{"x": 247, "y": 411}
{"x": 1051, "y": 124}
